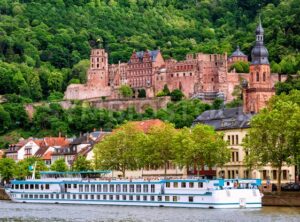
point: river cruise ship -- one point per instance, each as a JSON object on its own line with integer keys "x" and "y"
{"x": 85, "y": 188}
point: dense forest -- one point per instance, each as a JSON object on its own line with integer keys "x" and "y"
{"x": 44, "y": 45}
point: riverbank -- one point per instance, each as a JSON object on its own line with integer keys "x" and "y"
{"x": 285, "y": 199}
{"x": 3, "y": 195}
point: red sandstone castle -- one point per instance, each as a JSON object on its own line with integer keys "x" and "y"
{"x": 203, "y": 76}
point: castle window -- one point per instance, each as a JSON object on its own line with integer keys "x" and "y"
{"x": 191, "y": 74}
{"x": 183, "y": 74}
{"x": 257, "y": 77}
{"x": 264, "y": 76}
{"x": 171, "y": 75}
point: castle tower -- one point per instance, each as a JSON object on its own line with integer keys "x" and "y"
{"x": 259, "y": 89}
{"x": 98, "y": 71}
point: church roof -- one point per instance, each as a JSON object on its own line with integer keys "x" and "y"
{"x": 238, "y": 53}
{"x": 222, "y": 119}
{"x": 259, "y": 52}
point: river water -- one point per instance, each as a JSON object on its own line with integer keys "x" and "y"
{"x": 10, "y": 211}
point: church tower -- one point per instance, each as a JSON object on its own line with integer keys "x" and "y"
{"x": 259, "y": 89}
{"x": 98, "y": 71}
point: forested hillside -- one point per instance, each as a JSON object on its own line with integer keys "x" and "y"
{"x": 44, "y": 46}
{"x": 43, "y": 43}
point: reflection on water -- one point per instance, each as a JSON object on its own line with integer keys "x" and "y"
{"x": 10, "y": 211}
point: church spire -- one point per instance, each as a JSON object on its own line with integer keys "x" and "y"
{"x": 259, "y": 53}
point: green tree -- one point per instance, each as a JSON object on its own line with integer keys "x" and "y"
{"x": 23, "y": 167}
{"x": 274, "y": 135}
{"x": 200, "y": 146}
{"x": 59, "y": 165}
{"x": 120, "y": 150}
{"x": 7, "y": 169}
{"x": 158, "y": 151}
{"x": 126, "y": 91}
{"x": 81, "y": 164}
{"x": 176, "y": 95}
{"x": 166, "y": 90}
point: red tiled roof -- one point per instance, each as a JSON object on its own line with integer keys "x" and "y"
{"x": 56, "y": 141}
{"x": 47, "y": 156}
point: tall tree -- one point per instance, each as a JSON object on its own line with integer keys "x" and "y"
{"x": 158, "y": 151}
{"x": 200, "y": 146}
{"x": 120, "y": 150}
{"x": 274, "y": 136}
{"x": 7, "y": 169}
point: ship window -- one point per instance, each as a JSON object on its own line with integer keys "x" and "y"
{"x": 124, "y": 187}
{"x": 17, "y": 186}
{"x": 86, "y": 197}
{"x": 167, "y": 198}
{"x": 62, "y": 196}
{"x": 111, "y": 188}
{"x": 98, "y": 188}
{"x": 86, "y": 188}
{"x": 191, "y": 184}
{"x": 68, "y": 196}
{"x": 80, "y": 196}
{"x": 26, "y": 186}
{"x": 168, "y": 184}
{"x": 41, "y": 196}
{"x": 200, "y": 185}
{"x": 26, "y": 196}
{"x": 31, "y": 186}
{"x": 105, "y": 188}
{"x": 69, "y": 186}
{"x": 30, "y": 196}
{"x": 92, "y": 197}
{"x": 159, "y": 198}
{"x": 183, "y": 184}
{"x": 117, "y": 197}
{"x": 80, "y": 188}
{"x": 47, "y": 187}
{"x": 22, "y": 196}
{"x": 138, "y": 188}
{"x": 57, "y": 196}
{"x": 145, "y": 188}
{"x": 93, "y": 188}
{"x": 36, "y": 186}
{"x": 98, "y": 197}
{"x": 152, "y": 198}
{"x": 36, "y": 196}
{"x": 138, "y": 198}
{"x": 152, "y": 188}
{"x": 175, "y": 185}
{"x": 124, "y": 197}
{"x": 74, "y": 186}
{"x": 74, "y": 196}
{"x": 191, "y": 199}
{"x": 131, "y": 188}
{"x": 145, "y": 198}
{"x": 118, "y": 188}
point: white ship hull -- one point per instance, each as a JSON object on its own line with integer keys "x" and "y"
{"x": 189, "y": 193}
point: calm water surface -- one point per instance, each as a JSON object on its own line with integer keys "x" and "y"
{"x": 10, "y": 211}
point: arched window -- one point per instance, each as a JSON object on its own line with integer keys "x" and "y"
{"x": 257, "y": 77}
{"x": 264, "y": 76}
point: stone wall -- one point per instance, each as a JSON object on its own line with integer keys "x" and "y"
{"x": 140, "y": 105}
{"x": 285, "y": 199}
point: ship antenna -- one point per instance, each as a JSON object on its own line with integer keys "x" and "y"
{"x": 33, "y": 172}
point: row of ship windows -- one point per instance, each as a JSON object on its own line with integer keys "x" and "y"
{"x": 184, "y": 184}
{"x": 118, "y": 188}
{"x": 31, "y": 186}
{"x": 104, "y": 197}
